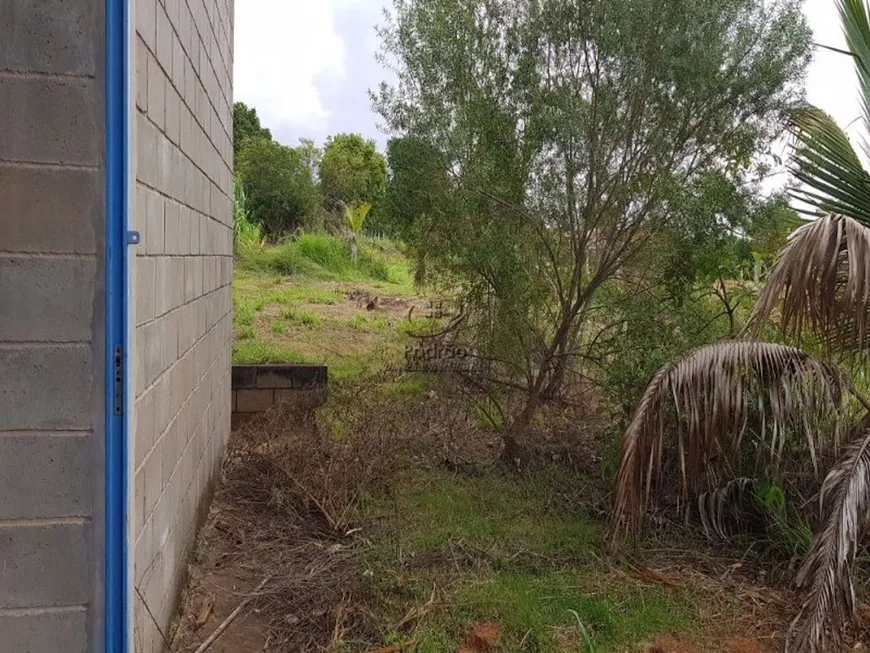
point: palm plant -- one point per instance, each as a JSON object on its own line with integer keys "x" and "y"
{"x": 820, "y": 285}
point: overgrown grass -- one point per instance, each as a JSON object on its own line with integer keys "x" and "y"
{"x": 259, "y": 352}
{"x": 328, "y": 257}
{"x": 514, "y": 551}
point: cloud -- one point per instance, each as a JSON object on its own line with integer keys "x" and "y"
{"x": 306, "y": 65}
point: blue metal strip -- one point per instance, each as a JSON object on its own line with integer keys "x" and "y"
{"x": 117, "y": 129}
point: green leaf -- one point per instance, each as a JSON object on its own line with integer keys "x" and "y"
{"x": 825, "y": 162}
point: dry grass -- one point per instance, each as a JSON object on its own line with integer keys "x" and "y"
{"x": 287, "y": 509}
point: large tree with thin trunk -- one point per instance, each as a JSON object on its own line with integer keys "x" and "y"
{"x": 567, "y": 127}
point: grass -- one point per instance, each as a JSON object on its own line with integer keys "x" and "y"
{"x": 307, "y": 317}
{"x": 321, "y": 256}
{"x": 505, "y": 549}
{"x": 255, "y": 352}
{"x": 290, "y": 305}
{"x": 517, "y": 550}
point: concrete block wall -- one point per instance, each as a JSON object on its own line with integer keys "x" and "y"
{"x": 182, "y": 59}
{"x": 256, "y": 388}
{"x": 52, "y": 414}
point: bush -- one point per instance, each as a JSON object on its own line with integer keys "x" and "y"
{"x": 327, "y": 251}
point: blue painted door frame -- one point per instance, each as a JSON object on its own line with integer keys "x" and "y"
{"x": 117, "y": 583}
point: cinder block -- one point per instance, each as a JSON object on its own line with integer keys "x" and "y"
{"x": 46, "y": 631}
{"x": 170, "y": 455}
{"x": 44, "y": 565}
{"x": 145, "y": 426}
{"x": 46, "y": 476}
{"x": 141, "y": 379}
{"x": 163, "y": 401}
{"x": 146, "y": 150}
{"x": 178, "y": 58}
{"x": 164, "y": 39}
{"x": 145, "y": 280}
{"x": 176, "y": 265}
{"x": 254, "y": 401}
{"x": 171, "y": 227}
{"x": 169, "y": 324}
{"x": 51, "y": 36}
{"x": 156, "y": 93}
{"x": 189, "y": 85}
{"x": 184, "y": 230}
{"x": 153, "y": 469}
{"x": 141, "y": 61}
{"x": 51, "y": 120}
{"x": 155, "y": 230}
{"x": 170, "y": 285}
{"x": 173, "y": 115}
{"x": 146, "y": 21}
{"x": 244, "y": 376}
{"x": 46, "y": 299}
{"x": 144, "y": 552}
{"x": 33, "y": 200}
{"x": 152, "y": 337}
{"x": 47, "y": 387}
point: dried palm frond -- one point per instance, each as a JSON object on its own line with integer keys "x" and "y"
{"x": 723, "y": 507}
{"x": 826, "y": 572}
{"x": 714, "y": 392}
{"x": 822, "y": 278}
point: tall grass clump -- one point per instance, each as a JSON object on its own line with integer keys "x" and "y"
{"x": 247, "y": 235}
{"x": 327, "y": 251}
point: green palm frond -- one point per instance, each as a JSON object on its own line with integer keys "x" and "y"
{"x": 825, "y": 162}
{"x": 856, "y": 26}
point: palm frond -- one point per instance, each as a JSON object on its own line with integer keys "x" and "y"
{"x": 826, "y": 572}
{"x": 824, "y": 161}
{"x": 721, "y": 508}
{"x": 822, "y": 279}
{"x": 714, "y": 392}
{"x": 856, "y": 26}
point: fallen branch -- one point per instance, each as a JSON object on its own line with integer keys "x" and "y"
{"x": 226, "y": 622}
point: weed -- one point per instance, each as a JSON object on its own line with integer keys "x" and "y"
{"x": 246, "y": 333}
{"x": 327, "y": 251}
{"x": 243, "y": 314}
{"x": 278, "y": 327}
{"x": 308, "y": 318}
{"x": 413, "y": 385}
{"x": 358, "y": 321}
{"x": 488, "y": 416}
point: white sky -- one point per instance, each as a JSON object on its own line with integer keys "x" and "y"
{"x": 306, "y": 66}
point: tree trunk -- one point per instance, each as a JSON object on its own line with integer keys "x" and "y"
{"x": 515, "y": 450}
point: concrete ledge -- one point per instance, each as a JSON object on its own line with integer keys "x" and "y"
{"x": 278, "y": 376}
{"x": 256, "y": 388}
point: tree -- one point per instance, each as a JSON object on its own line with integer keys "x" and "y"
{"x": 418, "y": 185}
{"x": 352, "y": 171}
{"x": 278, "y": 183}
{"x": 820, "y": 287}
{"x": 567, "y": 126}
{"x": 246, "y": 124}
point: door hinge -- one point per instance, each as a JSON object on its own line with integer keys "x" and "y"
{"x": 119, "y": 381}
